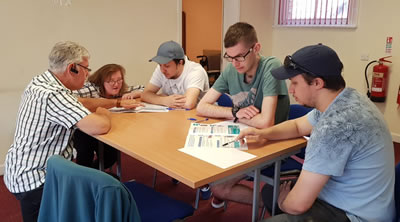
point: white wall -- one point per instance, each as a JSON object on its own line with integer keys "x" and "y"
{"x": 377, "y": 20}
{"x": 114, "y": 31}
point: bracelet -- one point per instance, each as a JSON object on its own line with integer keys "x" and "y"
{"x": 118, "y": 102}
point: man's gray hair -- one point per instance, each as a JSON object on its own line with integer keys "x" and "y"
{"x": 64, "y": 53}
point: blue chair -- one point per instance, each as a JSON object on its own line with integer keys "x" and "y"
{"x": 397, "y": 192}
{"x": 290, "y": 164}
{"x": 225, "y": 100}
{"x": 76, "y": 193}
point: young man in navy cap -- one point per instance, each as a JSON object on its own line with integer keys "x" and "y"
{"x": 348, "y": 172}
{"x": 182, "y": 81}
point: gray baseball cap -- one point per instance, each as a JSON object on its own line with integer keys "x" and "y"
{"x": 168, "y": 51}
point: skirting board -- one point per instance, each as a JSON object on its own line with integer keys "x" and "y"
{"x": 396, "y": 137}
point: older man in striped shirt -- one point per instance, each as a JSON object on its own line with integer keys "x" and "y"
{"x": 47, "y": 116}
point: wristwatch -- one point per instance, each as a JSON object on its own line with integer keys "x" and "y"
{"x": 235, "y": 109}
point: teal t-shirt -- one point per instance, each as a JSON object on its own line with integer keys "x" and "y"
{"x": 264, "y": 84}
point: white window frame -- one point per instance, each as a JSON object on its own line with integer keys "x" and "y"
{"x": 352, "y": 23}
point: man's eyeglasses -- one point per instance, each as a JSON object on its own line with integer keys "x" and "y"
{"x": 290, "y": 63}
{"x": 112, "y": 82}
{"x": 87, "y": 68}
{"x": 238, "y": 58}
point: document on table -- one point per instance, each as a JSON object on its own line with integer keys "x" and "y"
{"x": 147, "y": 108}
{"x": 222, "y": 158}
{"x": 204, "y": 141}
{"x": 213, "y": 136}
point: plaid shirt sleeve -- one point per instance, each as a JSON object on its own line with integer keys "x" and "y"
{"x": 135, "y": 88}
{"x": 89, "y": 90}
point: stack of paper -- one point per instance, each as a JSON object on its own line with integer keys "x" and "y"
{"x": 147, "y": 108}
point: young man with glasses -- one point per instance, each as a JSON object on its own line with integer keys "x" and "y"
{"x": 348, "y": 171}
{"x": 259, "y": 100}
{"x": 47, "y": 116}
{"x": 181, "y": 81}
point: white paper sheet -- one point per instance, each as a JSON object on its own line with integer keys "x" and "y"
{"x": 222, "y": 158}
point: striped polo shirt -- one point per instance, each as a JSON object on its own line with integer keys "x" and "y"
{"x": 46, "y": 119}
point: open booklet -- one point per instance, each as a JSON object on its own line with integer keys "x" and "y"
{"x": 213, "y": 136}
{"x": 147, "y": 108}
{"x": 204, "y": 141}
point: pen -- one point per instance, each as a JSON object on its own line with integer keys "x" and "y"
{"x": 192, "y": 119}
{"x": 202, "y": 120}
{"x": 225, "y": 144}
{"x": 177, "y": 109}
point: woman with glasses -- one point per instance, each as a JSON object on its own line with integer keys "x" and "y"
{"x": 108, "y": 84}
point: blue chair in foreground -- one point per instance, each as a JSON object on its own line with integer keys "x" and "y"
{"x": 76, "y": 193}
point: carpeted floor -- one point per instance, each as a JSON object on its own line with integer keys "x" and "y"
{"x": 133, "y": 169}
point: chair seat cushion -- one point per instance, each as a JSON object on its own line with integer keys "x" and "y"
{"x": 155, "y": 206}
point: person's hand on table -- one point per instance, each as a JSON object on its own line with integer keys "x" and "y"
{"x": 247, "y": 112}
{"x": 175, "y": 101}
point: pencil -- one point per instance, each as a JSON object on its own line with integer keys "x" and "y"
{"x": 225, "y": 144}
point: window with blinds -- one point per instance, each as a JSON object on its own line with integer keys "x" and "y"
{"x": 323, "y": 13}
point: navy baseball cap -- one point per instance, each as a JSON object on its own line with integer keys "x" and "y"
{"x": 316, "y": 60}
{"x": 168, "y": 51}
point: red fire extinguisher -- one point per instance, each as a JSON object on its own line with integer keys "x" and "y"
{"x": 398, "y": 98}
{"x": 379, "y": 80}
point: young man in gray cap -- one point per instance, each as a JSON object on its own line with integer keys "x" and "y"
{"x": 182, "y": 82}
{"x": 348, "y": 172}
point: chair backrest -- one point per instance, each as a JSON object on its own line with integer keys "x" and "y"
{"x": 76, "y": 193}
{"x": 225, "y": 100}
{"x": 297, "y": 111}
{"x": 397, "y": 192}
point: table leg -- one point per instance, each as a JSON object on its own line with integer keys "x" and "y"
{"x": 154, "y": 178}
{"x": 196, "y": 203}
{"x": 256, "y": 188}
{"x": 101, "y": 156}
{"x": 119, "y": 171}
{"x": 277, "y": 179}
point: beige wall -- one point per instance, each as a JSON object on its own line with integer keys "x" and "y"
{"x": 118, "y": 31}
{"x": 203, "y": 26}
{"x": 377, "y": 20}
{"x": 262, "y": 22}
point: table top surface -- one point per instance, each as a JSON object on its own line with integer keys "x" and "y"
{"x": 154, "y": 139}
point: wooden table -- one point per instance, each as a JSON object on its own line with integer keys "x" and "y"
{"x": 154, "y": 139}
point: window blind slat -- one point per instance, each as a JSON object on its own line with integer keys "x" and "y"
{"x": 316, "y": 12}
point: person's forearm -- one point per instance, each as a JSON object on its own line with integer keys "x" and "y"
{"x": 284, "y": 130}
{"x": 153, "y": 98}
{"x": 258, "y": 121}
{"x": 209, "y": 110}
{"x": 93, "y": 103}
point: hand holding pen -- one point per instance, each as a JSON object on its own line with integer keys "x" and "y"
{"x": 248, "y": 133}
